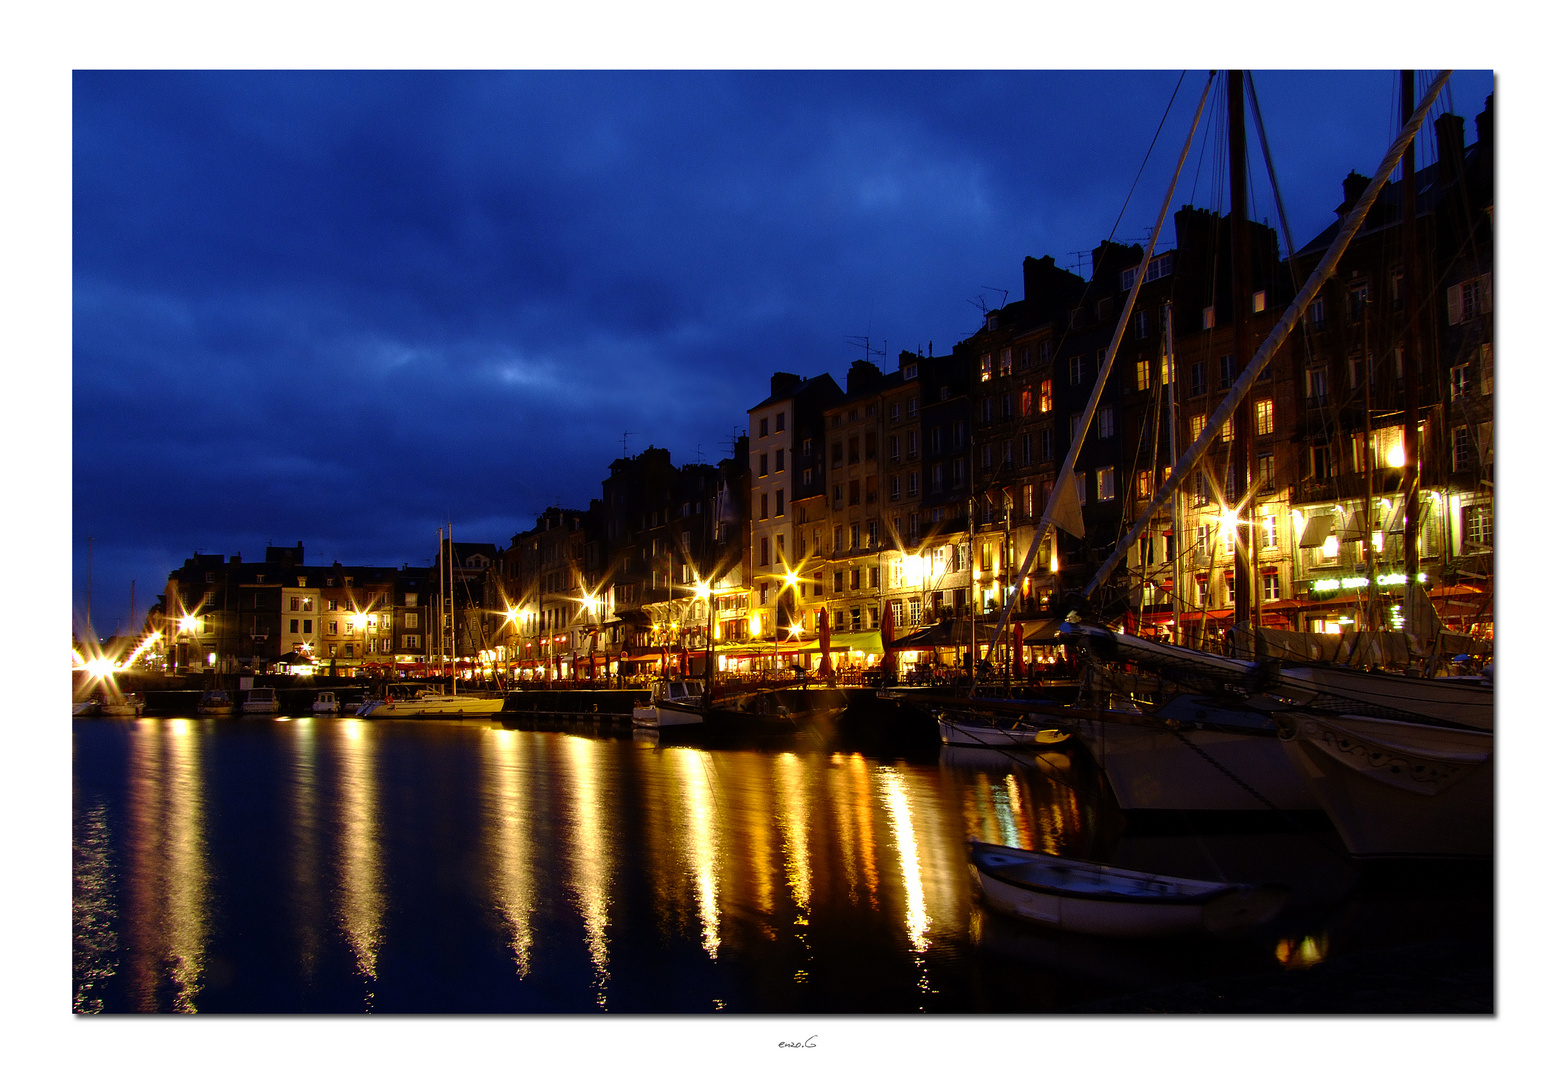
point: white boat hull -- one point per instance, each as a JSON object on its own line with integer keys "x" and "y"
{"x": 1347, "y": 690}
{"x": 1395, "y": 789}
{"x": 1086, "y": 898}
{"x": 120, "y": 710}
{"x": 960, "y": 733}
{"x": 456, "y": 706}
{"x": 665, "y": 714}
{"x": 1155, "y": 769}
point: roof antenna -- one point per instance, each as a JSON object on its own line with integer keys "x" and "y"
{"x": 623, "y": 436}
{"x": 865, "y": 343}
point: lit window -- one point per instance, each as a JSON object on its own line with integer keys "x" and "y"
{"x": 1104, "y": 482}
{"x": 1259, "y": 300}
{"x": 1045, "y": 404}
{"x": 1265, "y": 416}
{"x": 1270, "y": 584}
{"x": 1207, "y": 318}
{"x": 1143, "y": 370}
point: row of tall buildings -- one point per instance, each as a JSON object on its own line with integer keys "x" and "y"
{"x": 911, "y": 495}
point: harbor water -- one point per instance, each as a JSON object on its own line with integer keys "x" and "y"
{"x": 334, "y": 865}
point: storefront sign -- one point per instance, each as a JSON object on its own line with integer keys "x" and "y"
{"x": 1327, "y": 585}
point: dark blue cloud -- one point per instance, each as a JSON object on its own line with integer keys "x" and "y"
{"x": 345, "y": 307}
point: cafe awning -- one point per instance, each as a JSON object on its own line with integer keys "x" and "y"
{"x": 867, "y": 641}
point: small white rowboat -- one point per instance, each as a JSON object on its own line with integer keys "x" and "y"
{"x": 1093, "y": 898}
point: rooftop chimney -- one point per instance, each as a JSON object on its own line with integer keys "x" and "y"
{"x": 1354, "y": 187}
{"x": 783, "y": 382}
{"x": 1449, "y": 146}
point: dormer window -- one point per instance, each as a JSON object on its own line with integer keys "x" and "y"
{"x": 910, "y": 371}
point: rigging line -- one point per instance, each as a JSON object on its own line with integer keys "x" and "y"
{"x": 1079, "y": 437}
{"x": 1148, "y": 154}
{"x": 1286, "y": 324}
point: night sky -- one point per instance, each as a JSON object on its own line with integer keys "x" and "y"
{"x": 345, "y": 308}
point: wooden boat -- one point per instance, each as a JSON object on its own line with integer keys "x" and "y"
{"x": 325, "y": 703}
{"x": 981, "y": 729}
{"x": 261, "y": 701}
{"x": 1193, "y": 754}
{"x": 1094, "y": 898}
{"x": 424, "y": 701}
{"x": 126, "y": 706}
{"x": 674, "y": 704}
{"x": 1395, "y": 789}
{"x": 215, "y": 703}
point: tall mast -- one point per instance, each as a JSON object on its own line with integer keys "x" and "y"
{"x": 1167, "y": 373}
{"x": 1275, "y": 340}
{"x": 1366, "y": 521}
{"x": 1240, "y": 292}
{"x": 451, "y": 588}
{"x": 1412, "y": 382}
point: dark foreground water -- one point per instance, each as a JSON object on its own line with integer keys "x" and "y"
{"x": 458, "y": 867}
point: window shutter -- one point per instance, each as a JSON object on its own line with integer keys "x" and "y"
{"x": 1455, "y": 305}
{"x": 1485, "y": 293}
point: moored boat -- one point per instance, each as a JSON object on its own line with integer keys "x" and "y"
{"x": 260, "y": 701}
{"x": 85, "y": 708}
{"x": 1398, "y": 790}
{"x": 1095, "y": 898}
{"x": 425, "y": 701}
{"x": 1190, "y": 755}
{"x": 325, "y": 703}
{"x": 979, "y": 729}
{"x": 215, "y": 703}
{"x": 123, "y": 705}
{"x": 674, "y": 704}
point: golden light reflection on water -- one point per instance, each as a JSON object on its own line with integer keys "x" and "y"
{"x": 94, "y": 942}
{"x": 1302, "y": 952}
{"x": 170, "y": 901}
{"x": 754, "y": 832}
{"x": 590, "y": 870}
{"x": 361, "y": 890}
{"x": 895, "y": 799}
{"x": 702, "y": 840}
{"x": 510, "y": 822}
{"x": 1014, "y": 811}
{"x": 849, "y": 784}
{"x": 795, "y": 817}
{"x": 306, "y": 893}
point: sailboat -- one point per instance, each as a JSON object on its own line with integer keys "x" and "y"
{"x": 1401, "y": 764}
{"x": 446, "y": 701}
